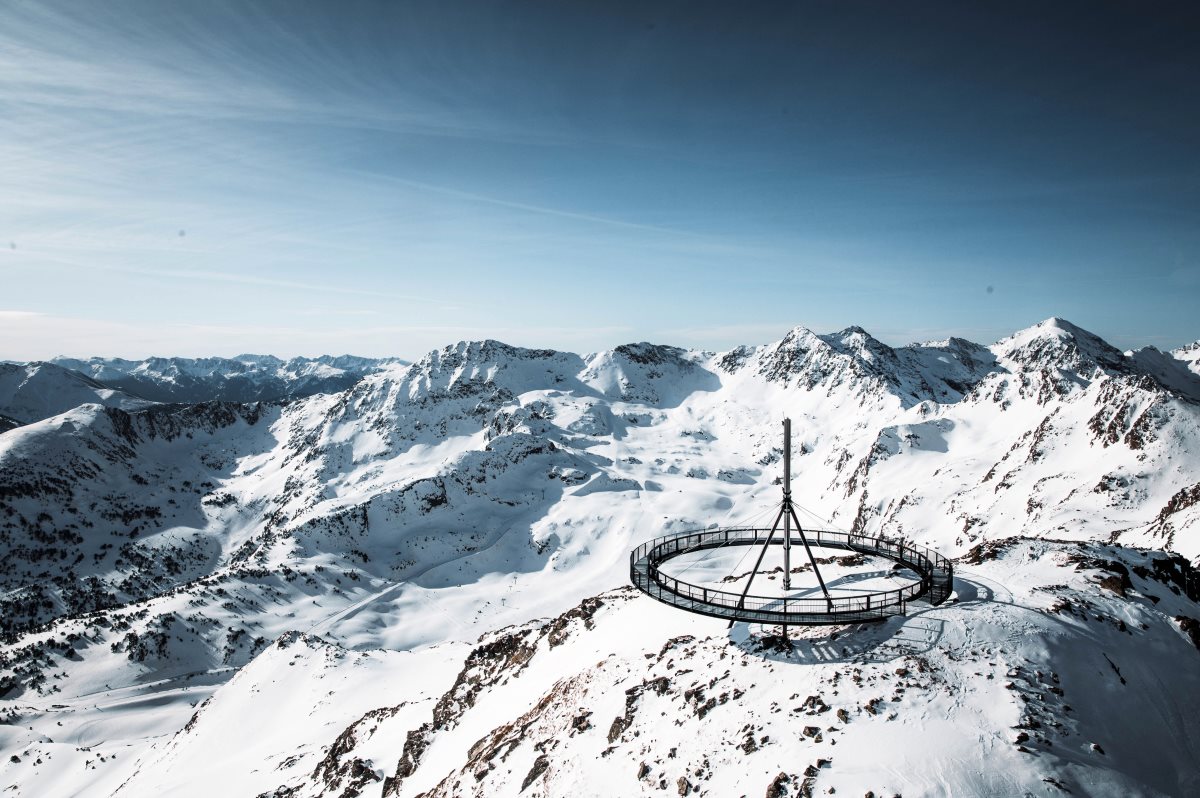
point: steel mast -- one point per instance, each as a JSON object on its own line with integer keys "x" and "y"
{"x": 787, "y": 505}
{"x": 787, "y": 513}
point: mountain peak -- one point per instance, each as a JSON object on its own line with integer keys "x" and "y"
{"x": 1053, "y": 327}
{"x": 860, "y": 341}
{"x": 480, "y": 352}
{"x": 797, "y": 333}
{"x": 30, "y": 392}
{"x": 1057, "y": 343}
{"x": 1060, "y": 323}
{"x": 1187, "y": 351}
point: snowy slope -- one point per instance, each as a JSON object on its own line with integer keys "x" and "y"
{"x": 148, "y": 556}
{"x": 34, "y": 391}
{"x": 1054, "y": 672}
{"x": 103, "y": 507}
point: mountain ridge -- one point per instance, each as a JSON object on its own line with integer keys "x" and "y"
{"x": 485, "y": 485}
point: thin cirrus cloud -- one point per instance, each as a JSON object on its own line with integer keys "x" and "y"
{"x": 619, "y": 170}
{"x": 98, "y": 137}
{"x": 75, "y": 60}
{"x": 243, "y": 279}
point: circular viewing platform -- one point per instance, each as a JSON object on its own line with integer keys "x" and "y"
{"x": 935, "y": 572}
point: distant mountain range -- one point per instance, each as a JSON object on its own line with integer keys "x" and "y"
{"x": 32, "y": 391}
{"x": 417, "y": 570}
{"x": 39, "y": 389}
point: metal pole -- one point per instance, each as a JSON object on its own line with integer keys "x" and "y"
{"x": 758, "y": 563}
{"x": 787, "y": 504}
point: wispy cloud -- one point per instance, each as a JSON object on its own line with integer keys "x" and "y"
{"x": 222, "y": 62}
{"x": 544, "y": 210}
{"x": 470, "y": 179}
{"x": 207, "y": 275}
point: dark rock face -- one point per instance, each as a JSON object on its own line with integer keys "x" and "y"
{"x": 499, "y": 657}
{"x": 1190, "y": 627}
{"x": 652, "y": 354}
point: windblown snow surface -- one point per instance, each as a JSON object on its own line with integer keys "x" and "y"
{"x": 419, "y": 585}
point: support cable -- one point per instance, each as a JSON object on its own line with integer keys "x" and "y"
{"x": 936, "y": 571}
{"x": 747, "y": 523}
{"x": 758, "y": 563}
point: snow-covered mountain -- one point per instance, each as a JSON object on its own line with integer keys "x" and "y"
{"x": 245, "y": 378}
{"x": 1190, "y": 355}
{"x": 33, "y": 391}
{"x": 414, "y": 585}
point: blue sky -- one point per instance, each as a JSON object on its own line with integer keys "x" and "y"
{"x": 384, "y": 178}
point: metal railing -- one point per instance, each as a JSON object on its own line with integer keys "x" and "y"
{"x": 934, "y": 570}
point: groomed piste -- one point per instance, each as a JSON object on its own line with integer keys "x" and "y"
{"x": 934, "y": 584}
